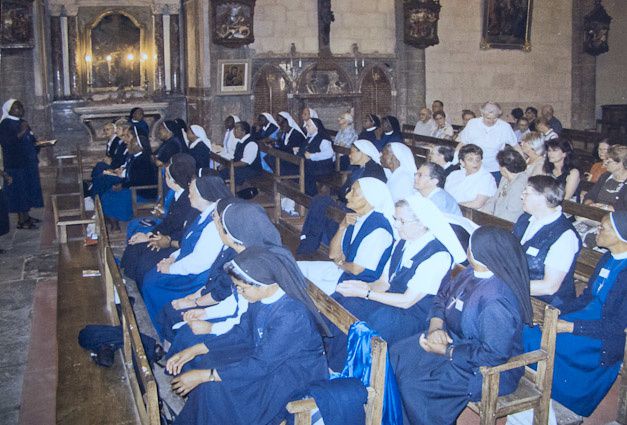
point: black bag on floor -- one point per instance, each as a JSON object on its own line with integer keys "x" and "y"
{"x": 104, "y": 340}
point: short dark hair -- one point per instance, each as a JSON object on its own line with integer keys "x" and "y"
{"x": 468, "y": 112}
{"x": 438, "y": 101}
{"x": 244, "y": 126}
{"x": 436, "y": 113}
{"x": 470, "y": 149}
{"x": 512, "y": 160}
{"x": 532, "y": 109}
{"x": 548, "y": 187}
{"x": 436, "y": 172}
{"x": 447, "y": 152}
{"x": 517, "y": 113}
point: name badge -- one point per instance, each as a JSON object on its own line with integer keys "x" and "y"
{"x": 459, "y": 305}
{"x": 604, "y": 273}
{"x": 532, "y": 251}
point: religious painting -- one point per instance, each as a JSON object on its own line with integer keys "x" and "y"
{"x": 16, "y": 24}
{"x": 421, "y": 22}
{"x": 234, "y": 76}
{"x": 233, "y": 22}
{"x": 324, "y": 81}
{"x": 596, "y": 26}
{"x": 507, "y": 24}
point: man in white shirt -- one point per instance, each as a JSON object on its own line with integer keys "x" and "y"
{"x": 429, "y": 180}
{"x": 522, "y": 128}
{"x": 425, "y": 125}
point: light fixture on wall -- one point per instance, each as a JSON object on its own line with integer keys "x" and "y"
{"x": 356, "y": 55}
{"x": 88, "y": 70}
{"x": 109, "y": 58}
{"x": 596, "y": 26}
{"x": 143, "y": 58}
{"x": 288, "y": 65}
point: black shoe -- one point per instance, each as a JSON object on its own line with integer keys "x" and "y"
{"x": 29, "y": 225}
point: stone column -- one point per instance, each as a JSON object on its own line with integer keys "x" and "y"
{"x": 583, "y": 79}
{"x": 175, "y": 54}
{"x": 159, "y": 66}
{"x": 72, "y": 34}
{"x": 57, "y": 56}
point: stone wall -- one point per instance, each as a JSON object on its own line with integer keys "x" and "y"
{"x": 612, "y": 66}
{"x": 463, "y": 76}
{"x": 369, "y": 24}
{"x": 278, "y": 23}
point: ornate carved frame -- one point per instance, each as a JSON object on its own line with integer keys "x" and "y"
{"x": 23, "y": 10}
{"x": 220, "y": 28}
{"x": 495, "y": 42}
{"x": 428, "y": 27}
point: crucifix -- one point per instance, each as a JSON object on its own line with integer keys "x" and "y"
{"x": 325, "y": 17}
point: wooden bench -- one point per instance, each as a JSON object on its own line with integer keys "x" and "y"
{"x": 225, "y": 163}
{"x": 147, "y": 205}
{"x": 266, "y": 180}
{"x": 343, "y": 319}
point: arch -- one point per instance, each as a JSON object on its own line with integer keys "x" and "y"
{"x": 375, "y": 85}
{"x": 270, "y": 88}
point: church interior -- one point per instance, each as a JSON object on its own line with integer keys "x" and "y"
{"x": 211, "y": 73}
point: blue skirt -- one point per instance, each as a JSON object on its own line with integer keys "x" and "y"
{"x": 117, "y": 204}
{"x": 25, "y": 191}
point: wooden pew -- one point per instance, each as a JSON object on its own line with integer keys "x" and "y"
{"x": 582, "y": 140}
{"x": 343, "y": 319}
{"x": 267, "y": 179}
{"x": 139, "y": 206}
{"x": 218, "y": 160}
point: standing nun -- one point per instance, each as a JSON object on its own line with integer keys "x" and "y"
{"x": 199, "y": 145}
{"x": 19, "y": 152}
{"x": 249, "y": 374}
{"x": 363, "y": 242}
{"x": 400, "y": 168}
{"x": 318, "y": 153}
{"x": 476, "y": 320}
{"x": 186, "y": 269}
{"x": 396, "y": 306}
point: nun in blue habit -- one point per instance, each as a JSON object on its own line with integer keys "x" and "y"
{"x": 591, "y": 337}
{"x": 391, "y": 132}
{"x": 438, "y": 371}
{"x": 249, "y": 374}
{"x": 266, "y": 127}
{"x": 186, "y": 269}
{"x": 396, "y": 305}
{"x": 369, "y": 132}
{"x": 170, "y": 145}
{"x": 199, "y": 145}
{"x": 136, "y": 120}
{"x": 241, "y": 225}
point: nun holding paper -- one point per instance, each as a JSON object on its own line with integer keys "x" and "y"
{"x": 199, "y": 145}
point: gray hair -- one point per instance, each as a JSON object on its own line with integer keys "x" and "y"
{"x": 491, "y": 107}
{"x": 348, "y": 117}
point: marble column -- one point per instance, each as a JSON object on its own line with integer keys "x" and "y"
{"x": 57, "y": 56}
{"x": 159, "y": 65}
{"x": 72, "y": 32}
{"x": 175, "y": 54}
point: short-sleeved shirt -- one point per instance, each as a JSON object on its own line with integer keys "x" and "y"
{"x": 466, "y": 188}
{"x": 491, "y": 139}
{"x": 372, "y": 247}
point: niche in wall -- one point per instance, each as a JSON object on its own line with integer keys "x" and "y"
{"x": 376, "y": 91}
{"x": 270, "y": 88}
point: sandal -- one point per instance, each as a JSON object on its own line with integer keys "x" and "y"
{"x": 29, "y": 225}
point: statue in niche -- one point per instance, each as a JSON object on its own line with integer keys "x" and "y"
{"x": 233, "y": 22}
{"x": 324, "y": 82}
{"x": 596, "y": 30}
{"x": 325, "y": 17}
{"x": 421, "y": 22}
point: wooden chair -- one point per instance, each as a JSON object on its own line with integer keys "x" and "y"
{"x": 341, "y": 318}
{"x": 147, "y": 205}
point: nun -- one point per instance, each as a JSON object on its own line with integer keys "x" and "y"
{"x": 246, "y": 159}
{"x": 170, "y": 144}
{"x": 369, "y": 132}
{"x": 227, "y": 150}
{"x": 266, "y": 127}
{"x": 438, "y": 371}
{"x": 216, "y": 308}
{"x": 591, "y": 338}
{"x": 136, "y": 120}
{"x": 187, "y": 268}
{"x": 400, "y": 169}
{"x": 147, "y": 247}
{"x": 365, "y": 161}
{"x": 19, "y": 155}
{"x": 249, "y": 374}
{"x": 115, "y": 150}
{"x": 318, "y": 154}
{"x": 391, "y": 132}
{"x": 199, "y": 145}
{"x": 363, "y": 242}
{"x": 291, "y": 139}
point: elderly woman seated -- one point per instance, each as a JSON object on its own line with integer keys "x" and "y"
{"x": 471, "y": 186}
{"x": 533, "y": 147}
{"x": 591, "y": 337}
{"x": 400, "y": 168}
{"x": 507, "y": 203}
{"x": 346, "y": 135}
{"x": 549, "y": 241}
{"x": 610, "y": 190}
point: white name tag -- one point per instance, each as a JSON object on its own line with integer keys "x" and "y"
{"x": 532, "y": 251}
{"x": 604, "y": 273}
{"x": 459, "y": 305}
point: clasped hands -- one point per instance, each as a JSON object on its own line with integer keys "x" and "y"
{"x": 186, "y": 382}
{"x": 163, "y": 266}
{"x": 435, "y": 341}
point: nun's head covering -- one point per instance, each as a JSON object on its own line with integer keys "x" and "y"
{"x": 367, "y": 147}
{"x": 212, "y": 188}
{"x": 270, "y": 118}
{"x": 171, "y": 126}
{"x": 378, "y": 196}
{"x": 181, "y": 128}
{"x": 235, "y": 118}
{"x": 322, "y": 132}
{"x": 201, "y": 134}
{"x": 403, "y": 153}
{"x": 291, "y": 121}
{"x": 375, "y": 119}
{"x": 183, "y": 172}
{"x": 130, "y": 115}
{"x": 248, "y": 224}
{"x": 265, "y": 266}
{"x": 500, "y": 251}
{"x": 396, "y": 126}
{"x": 619, "y": 223}
{"x": 434, "y": 220}
{"x": 6, "y": 107}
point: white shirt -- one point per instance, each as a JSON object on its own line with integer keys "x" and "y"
{"x": 178, "y": 194}
{"x": 229, "y": 145}
{"x": 425, "y": 128}
{"x": 372, "y": 247}
{"x": 519, "y": 134}
{"x": 250, "y": 151}
{"x": 562, "y": 253}
{"x": 490, "y": 139}
{"x": 205, "y": 251}
{"x": 429, "y": 274}
{"x": 445, "y": 132}
{"x": 466, "y": 188}
{"x": 549, "y": 135}
{"x": 400, "y": 182}
{"x": 326, "y": 150}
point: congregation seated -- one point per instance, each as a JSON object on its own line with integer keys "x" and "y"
{"x": 467, "y": 115}
{"x": 372, "y": 123}
{"x": 548, "y": 112}
{"x": 291, "y": 139}
{"x": 549, "y": 241}
{"x": 591, "y": 338}
{"x": 559, "y": 163}
{"x": 598, "y": 168}
{"x": 246, "y": 159}
{"x": 531, "y": 114}
{"x": 170, "y": 144}
{"x": 199, "y": 145}
{"x": 306, "y": 114}
{"x": 391, "y": 132}
{"x": 365, "y": 161}
{"x": 227, "y": 150}
{"x": 534, "y": 150}
{"x": 443, "y": 130}
{"x": 522, "y": 128}
{"x": 318, "y": 154}
{"x": 438, "y": 371}
{"x": 265, "y": 127}
{"x": 444, "y": 157}
{"x": 248, "y": 375}
{"x": 472, "y": 185}
{"x": 425, "y": 125}
{"x": 346, "y": 135}
{"x": 507, "y": 202}
{"x": 610, "y": 190}
{"x": 544, "y": 128}
{"x": 399, "y": 165}
{"x": 429, "y": 182}
{"x": 140, "y": 126}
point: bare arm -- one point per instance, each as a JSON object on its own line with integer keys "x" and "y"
{"x": 550, "y": 284}
{"x": 572, "y": 181}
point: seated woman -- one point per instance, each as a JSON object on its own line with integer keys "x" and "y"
{"x": 249, "y": 374}
{"x": 265, "y": 127}
{"x": 532, "y": 145}
{"x": 215, "y": 308}
{"x": 170, "y": 143}
{"x": 591, "y": 337}
{"x": 507, "y": 202}
{"x": 290, "y": 139}
{"x": 438, "y": 372}
{"x": 246, "y": 158}
{"x": 199, "y": 145}
{"x": 444, "y": 156}
{"x": 559, "y": 164}
{"x": 365, "y": 161}
{"x": 610, "y": 190}
{"x": 396, "y": 305}
{"x": 227, "y": 149}
{"x": 372, "y": 123}
{"x": 185, "y": 270}
{"x": 400, "y": 169}
{"x": 363, "y": 242}
{"x": 391, "y": 132}
{"x": 146, "y": 249}
{"x": 598, "y": 168}
{"x": 138, "y": 170}
{"x": 136, "y": 120}
{"x": 346, "y": 135}
{"x": 549, "y": 241}
{"x": 472, "y": 185}
{"x": 318, "y": 153}
{"x": 115, "y": 149}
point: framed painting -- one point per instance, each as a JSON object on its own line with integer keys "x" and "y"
{"x": 507, "y": 24}
{"x": 421, "y": 22}
{"x": 233, "y": 22}
{"x": 16, "y": 24}
{"x": 234, "y": 76}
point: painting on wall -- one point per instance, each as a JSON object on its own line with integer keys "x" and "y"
{"x": 421, "y": 22}
{"x": 234, "y": 76}
{"x": 16, "y": 24}
{"x": 507, "y": 24}
{"x": 233, "y": 22}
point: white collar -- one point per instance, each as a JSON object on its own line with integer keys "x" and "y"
{"x": 243, "y": 139}
{"x": 265, "y": 127}
{"x": 137, "y": 154}
{"x": 178, "y": 193}
{"x": 389, "y": 133}
{"x": 621, "y": 256}
{"x": 274, "y": 297}
{"x": 11, "y": 117}
{"x": 414, "y": 246}
{"x": 548, "y": 219}
{"x": 371, "y": 129}
{"x": 483, "y": 275}
{"x": 112, "y": 139}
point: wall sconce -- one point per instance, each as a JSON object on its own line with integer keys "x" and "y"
{"x": 143, "y": 58}
{"x": 356, "y": 54}
{"x": 130, "y": 57}
{"x": 596, "y": 27}
{"x": 88, "y": 60}
{"x": 109, "y": 58}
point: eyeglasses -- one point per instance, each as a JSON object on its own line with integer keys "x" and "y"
{"x": 403, "y": 221}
